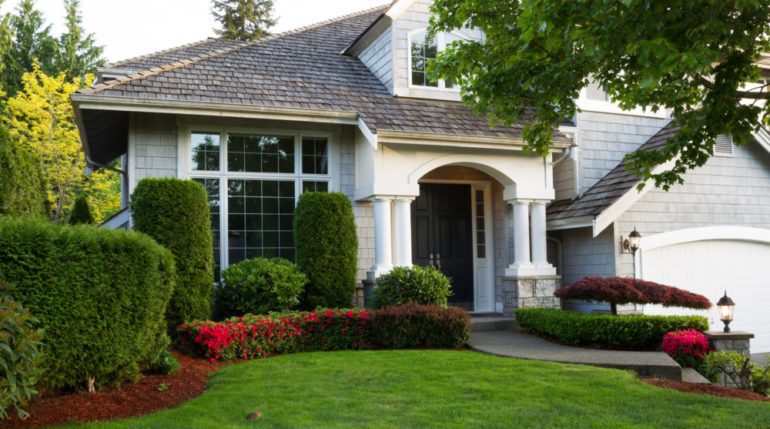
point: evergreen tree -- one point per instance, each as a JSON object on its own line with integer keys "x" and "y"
{"x": 32, "y": 41}
{"x": 5, "y": 45}
{"x": 22, "y": 183}
{"x": 81, "y": 211}
{"x": 78, "y": 52}
{"x": 244, "y": 20}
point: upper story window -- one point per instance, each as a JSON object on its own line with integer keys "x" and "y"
{"x": 422, "y": 50}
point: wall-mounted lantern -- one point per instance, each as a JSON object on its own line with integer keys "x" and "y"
{"x": 631, "y": 243}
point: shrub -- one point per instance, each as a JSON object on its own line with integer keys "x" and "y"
{"x": 253, "y": 337}
{"x": 259, "y": 286}
{"x": 414, "y": 325}
{"x": 81, "y": 212}
{"x": 327, "y": 248}
{"x": 22, "y": 186}
{"x": 635, "y": 332}
{"x": 688, "y": 347}
{"x": 166, "y": 363}
{"x": 176, "y": 214}
{"x": 738, "y": 370}
{"x": 427, "y": 286}
{"x": 99, "y": 294}
{"x": 19, "y": 354}
{"x": 625, "y": 290}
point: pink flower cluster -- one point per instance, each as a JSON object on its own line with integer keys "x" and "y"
{"x": 688, "y": 346}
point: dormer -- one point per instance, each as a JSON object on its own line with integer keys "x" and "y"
{"x": 396, "y": 49}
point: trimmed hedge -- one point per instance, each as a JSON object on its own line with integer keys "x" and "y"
{"x": 176, "y": 214}
{"x": 421, "y": 285}
{"x": 22, "y": 186}
{"x": 258, "y": 286}
{"x": 414, "y": 325}
{"x": 632, "y": 332}
{"x": 100, "y": 295}
{"x": 327, "y": 248}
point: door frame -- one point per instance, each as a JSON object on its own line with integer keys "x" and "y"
{"x": 486, "y": 186}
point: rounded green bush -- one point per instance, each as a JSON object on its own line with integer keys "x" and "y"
{"x": 99, "y": 294}
{"x": 327, "y": 248}
{"x": 176, "y": 214}
{"x": 81, "y": 212}
{"x": 259, "y": 286}
{"x": 421, "y": 285}
{"x": 22, "y": 184}
{"x": 20, "y": 355}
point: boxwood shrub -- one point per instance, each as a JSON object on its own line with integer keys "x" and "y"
{"x": 632, "y": 332}
{"x": 421, "y": 285}
{"x": 176, "y": 214}
{"x": 414, "y": 325}
{"x": 100, "y": 296}
{"x": 258, "y": 286}
{"x": 327, "y": 248}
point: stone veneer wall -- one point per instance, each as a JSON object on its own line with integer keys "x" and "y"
{"x": 530, "y": 293}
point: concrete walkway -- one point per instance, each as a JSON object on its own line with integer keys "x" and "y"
{"x": 514, "y": 343}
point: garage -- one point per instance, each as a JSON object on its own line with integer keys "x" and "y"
{"x": 709, "y": 261}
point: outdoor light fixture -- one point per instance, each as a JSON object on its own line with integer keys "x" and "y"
{"x": 726, "y": 308}
{"x": 631, "y": 244}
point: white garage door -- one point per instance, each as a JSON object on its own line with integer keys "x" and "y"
{"x": 711, "y": 267}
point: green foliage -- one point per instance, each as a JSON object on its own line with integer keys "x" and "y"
{"x": 327, "y": 248}
{"x": 244, "y": 20}
{"x": 637, "y": 332}
{"x": 422, "y": 285}
{"x": 737, "y": 369}
{"x": 81, "y": 212}
{"x": 176, "y": 214}
{"x": 78, "y": 53}
{"x": 166, "y": 363}
{"x": 259, "y": 286}
{"x": 414, "y": 325}
{"x": 20, "y": 355}
{"x": 99, "y": 294}
{"x": 690, "y": 57}
{"x": 32, "y": 42}
{"x": 22, "y": 187}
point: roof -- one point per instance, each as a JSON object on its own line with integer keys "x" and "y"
{"x": 299, "y": 69}
{"x": 157, "y": 59}
{"x": 609, "y": 188}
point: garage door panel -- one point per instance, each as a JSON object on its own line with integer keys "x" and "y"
{"x": 711, "y": 267}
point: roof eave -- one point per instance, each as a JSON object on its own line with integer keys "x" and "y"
{"x": 439, "y": 139}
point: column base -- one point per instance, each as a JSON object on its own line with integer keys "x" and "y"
{"x": 517, "y": 270}
{"x": 529, "y": 292}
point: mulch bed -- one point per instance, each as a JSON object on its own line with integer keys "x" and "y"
{"x": 126, "y": 401}
{"x": 707, "y": 389}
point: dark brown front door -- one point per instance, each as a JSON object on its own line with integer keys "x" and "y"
{"x": 441, "y": 231}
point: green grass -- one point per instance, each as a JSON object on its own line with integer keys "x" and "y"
{"x": 440, "y": 389}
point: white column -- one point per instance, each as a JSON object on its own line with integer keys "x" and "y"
{"x": 521, "y": 235}
{"x": 383, "y": 257}
{"x": 402, "y": 216}
{"x": 539, "y": 251}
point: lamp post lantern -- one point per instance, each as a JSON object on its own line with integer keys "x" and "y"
{"x": 726, "y": 308}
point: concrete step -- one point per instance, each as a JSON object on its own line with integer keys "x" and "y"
{"x": 491, "y": 323}
{"x": 690, "y": 375}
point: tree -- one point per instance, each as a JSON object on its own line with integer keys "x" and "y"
{"x": 22, "y": 186}
{"x": 40, "y": 117}
{"x": 5, "y": 45}
{"x": 78, "y": 52}
{"x": 244, "y": 20}
{"x": 31, "y": 42}
{"x": 692, "y": 57}
{"x": 81, "y": 212}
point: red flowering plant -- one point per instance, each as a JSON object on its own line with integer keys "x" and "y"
{"x": 687, "y": 346}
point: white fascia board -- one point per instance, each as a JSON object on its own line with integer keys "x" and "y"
{"x": 611, "y": 213}
{"x": 762, "y": 136}
{"x": 398, "y": 8}
{"x": 370, "y": 136}
{"x": 572, "y": 223}
{"x": 125, "y": 104}
{"x": 456, "y": 140}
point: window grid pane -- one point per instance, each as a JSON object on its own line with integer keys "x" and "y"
{"x": 315, "y": 159}
{"x": 256, "y": 153}
{"x": 423, "y": 50}
{"x": 261, "y": 215}
{"x": 481, "y": 237}
{"x": 205, "y": 151}
{"x": 314, "y": 186}
{"x": 212, "y": 191}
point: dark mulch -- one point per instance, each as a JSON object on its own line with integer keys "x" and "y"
{"x": 707, "y": 389}
{"x": 126, "y": 401}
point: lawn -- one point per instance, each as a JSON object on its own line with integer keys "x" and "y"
{"x": 440, "y": 389}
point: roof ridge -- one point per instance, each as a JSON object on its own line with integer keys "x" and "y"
{"x": 218, "y": 52}
{"x": 119, "y": 64}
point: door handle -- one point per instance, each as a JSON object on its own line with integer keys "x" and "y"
{"x": 430, "y": 260}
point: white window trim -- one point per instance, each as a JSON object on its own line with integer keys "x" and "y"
{"x": 440, "y": 46}
{"x": 184, "y": 170}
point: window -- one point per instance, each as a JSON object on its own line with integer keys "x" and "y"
{"x": 481, "y": 236}
{"x": 422, "y": 50}
{"x": 253, "y": 181}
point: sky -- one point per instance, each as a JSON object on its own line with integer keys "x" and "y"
{"x": 128, "y": 28}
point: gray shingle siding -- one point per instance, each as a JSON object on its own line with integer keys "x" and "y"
{"x": 379, "y": 58}
{"x": 564, "y": 179}
{"x": 153, "y": 141}
{"x": 728, "y": 190}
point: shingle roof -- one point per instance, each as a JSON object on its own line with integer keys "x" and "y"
{"x": 300, "y": 69}
{"x": 157, "y": 59}
{"x": 610, "y": 187}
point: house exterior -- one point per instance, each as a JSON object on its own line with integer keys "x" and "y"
{"x": 345, "y": 106}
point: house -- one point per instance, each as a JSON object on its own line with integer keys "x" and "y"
{"x": 345, "y": 105}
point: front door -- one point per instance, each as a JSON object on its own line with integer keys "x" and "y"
{"x": 441, "y": 231}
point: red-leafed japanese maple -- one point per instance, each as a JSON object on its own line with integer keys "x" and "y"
{"x": 624, "y": 290}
